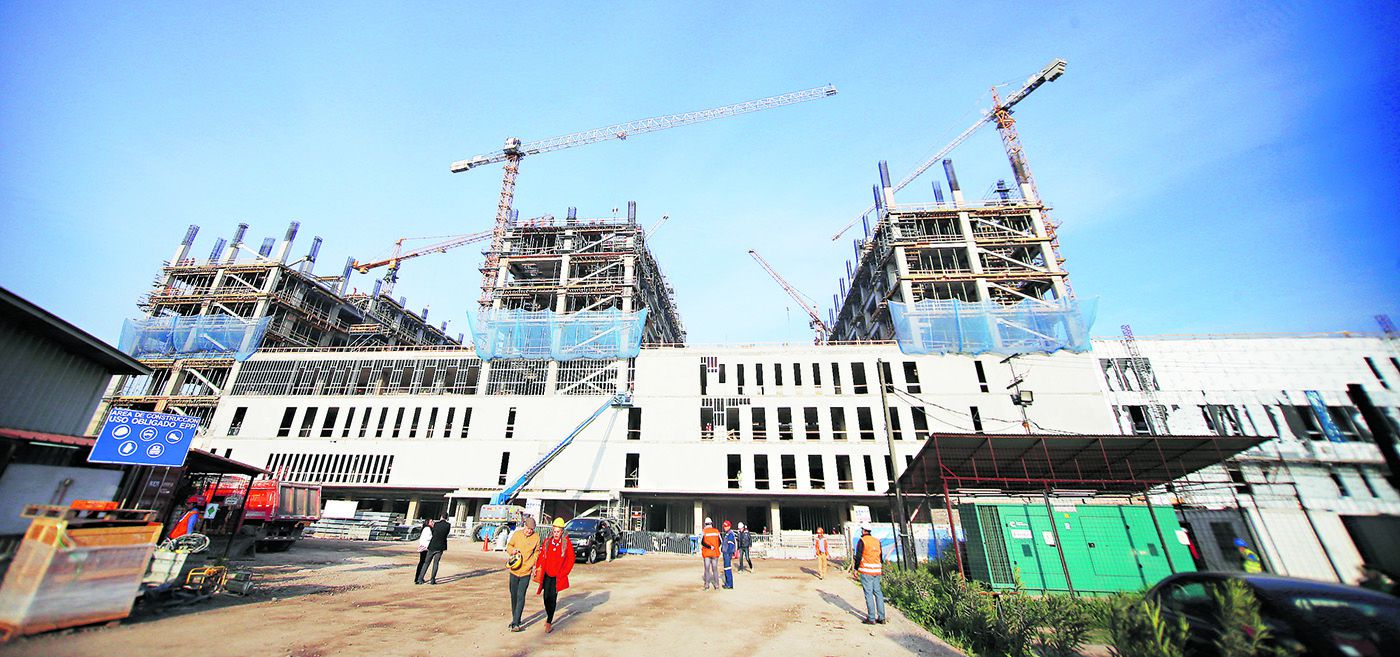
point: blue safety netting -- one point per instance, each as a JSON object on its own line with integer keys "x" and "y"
{"x": 211, "y": 336}
{"x": 958, "y": 327}
{"x": 544, "y": 334}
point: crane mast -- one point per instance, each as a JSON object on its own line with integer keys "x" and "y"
{"x": 823, "y": 331}
{"x": 514, "y": 150}
{"x": 1052, "y": 71}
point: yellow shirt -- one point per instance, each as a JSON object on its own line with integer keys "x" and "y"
{"x": 529, "y": 549}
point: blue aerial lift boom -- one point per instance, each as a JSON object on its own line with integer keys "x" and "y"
{"x": 499, "y": 511}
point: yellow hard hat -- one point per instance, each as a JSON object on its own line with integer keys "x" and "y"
{"x": 559, "y": 522}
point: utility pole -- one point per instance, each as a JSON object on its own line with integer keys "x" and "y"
{"x": 1020, "y": 399}
{"x": 907, "y": 556}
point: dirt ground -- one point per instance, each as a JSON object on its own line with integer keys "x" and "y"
{"x": 342, "y": 598}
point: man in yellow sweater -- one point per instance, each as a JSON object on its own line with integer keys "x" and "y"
{"x": 525, "y": 544}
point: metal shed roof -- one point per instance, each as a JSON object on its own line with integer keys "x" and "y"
{"x": 1111, "y": 463}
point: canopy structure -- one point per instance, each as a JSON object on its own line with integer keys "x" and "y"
{"x": 198, "y": 461}
{"x": 1013, "y": 463}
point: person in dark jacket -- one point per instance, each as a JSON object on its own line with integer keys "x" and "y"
{"x": 745, "y": 542}
{"x": 436, "y": 546}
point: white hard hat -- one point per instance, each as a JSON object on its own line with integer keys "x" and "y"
{"x": 708, "y": 521}
{"x": 865, "y": 527}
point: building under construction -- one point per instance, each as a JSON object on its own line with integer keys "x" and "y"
{"x": 202, "y": 315}
{"x": 997, "y": 249}
{"x": 582, "y": 266}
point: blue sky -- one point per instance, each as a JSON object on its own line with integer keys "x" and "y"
{"x": 1217, "y": 167}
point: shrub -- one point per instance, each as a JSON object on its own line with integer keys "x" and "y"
{"x": 1136, "y": 629}
{"x": 1066, "y": 623}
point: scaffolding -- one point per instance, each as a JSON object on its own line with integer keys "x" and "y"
{"x": 580, "y": 288}
{"x": 1031, "y": 326}
{"x": 989, "y": 254}
{"x": 203, "y": 315}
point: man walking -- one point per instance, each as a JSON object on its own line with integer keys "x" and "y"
{"x": 730, "y": 549}
{"x": 522, "y": 551}
{"x": 709, "y": 554}
{"x": 868, "y": 566}
{"x": 823, "y": 551}
{"x": 436, "y": 546}
{"x": 745, "y": 542}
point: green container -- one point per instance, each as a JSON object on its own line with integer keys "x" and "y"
{"x": 1106, "y": 548}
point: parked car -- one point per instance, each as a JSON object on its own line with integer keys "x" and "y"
{"x": 1315, "y": 618}
{"x": 590, "y": 537}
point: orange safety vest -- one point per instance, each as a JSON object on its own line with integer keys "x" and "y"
{"x": 709, "y": 542}
{"x": 821, "y": 545}
{"x": 870, "y": 556}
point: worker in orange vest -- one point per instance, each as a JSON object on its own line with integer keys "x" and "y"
{"x": 709, "y": 553}
{"x": 869, "y": 559}
{"x": 823, "y": 551}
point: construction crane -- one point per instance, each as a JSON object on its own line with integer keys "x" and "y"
{"x": 514, "y": 150}
{"x": 999, "y": 113}
{"x": 823, "y": 331}
{"x": 391, "y": 276}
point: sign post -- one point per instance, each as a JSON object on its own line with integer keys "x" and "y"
{"x": 131, "y": 437}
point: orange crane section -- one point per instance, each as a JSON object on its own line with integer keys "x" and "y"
{"x": 394, "y": 261}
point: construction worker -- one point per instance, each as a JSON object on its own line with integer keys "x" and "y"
{"x": 525, "y": 543}
{"x": 1249, "y": 559}
{"x": 187, "y": 522}
{"x": 556, "y": 561}
{"x": 745, "y": 543}
{"x": 823, "y": 551}
{"x": 709, "y": 554}
{"x": 730, "y": 549}
{"x": 869, "y": 561}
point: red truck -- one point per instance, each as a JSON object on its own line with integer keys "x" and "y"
{"x": 276, "y": 511}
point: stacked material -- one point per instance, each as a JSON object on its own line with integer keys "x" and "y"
{"x": 365, "y": 526}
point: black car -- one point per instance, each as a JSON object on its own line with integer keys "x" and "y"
{"x": 1307, "y": 616}
{"x": 593, "y": 537}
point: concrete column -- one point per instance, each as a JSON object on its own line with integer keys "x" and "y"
{"x": 460, "y": 513}
{"x": 183, "y": 250}
{"x": 286, "y": 248}
{"x": 901, "y": 267}
{"x": 775, "y": 519}
{"x": 699, "y": 516}
{"x": 412, "y": 509}
{"x": 629, "y": 276}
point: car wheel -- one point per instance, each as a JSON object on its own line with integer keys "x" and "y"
{"x": 593, "y": 554}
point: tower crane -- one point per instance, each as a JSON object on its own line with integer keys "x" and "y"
{"x": 1000, "y": 113}
{"x": 823, "y": 331}
{"x": 514, "y": 150}
{"x": 391, "y": 276}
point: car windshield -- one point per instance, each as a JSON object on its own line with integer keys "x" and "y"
{"x": 582, "y": 525}
{"x": 1356, "y": 628}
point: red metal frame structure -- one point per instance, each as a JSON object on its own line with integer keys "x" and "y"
{"x": 1024, "y": 464}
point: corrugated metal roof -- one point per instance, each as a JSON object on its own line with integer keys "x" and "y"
{"x": 21, "y": 311}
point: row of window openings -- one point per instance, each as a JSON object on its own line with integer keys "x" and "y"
{"x": 816, "y": 472}
{"x": 1228, "y": 420}
{"x": 859, "y": 383}
{"x": 1244, "y": 486}
{"x": 330, "y": 422}
{"x": 1394, "y": 362}
{"x": 811, "y": 424}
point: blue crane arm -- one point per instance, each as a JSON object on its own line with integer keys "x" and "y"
{"x": 617, "y": 401}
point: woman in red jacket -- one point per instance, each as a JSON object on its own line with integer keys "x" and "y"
{"x": 552, "y": 570}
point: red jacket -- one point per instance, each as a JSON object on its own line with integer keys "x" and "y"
{"x": 556, "y": 560}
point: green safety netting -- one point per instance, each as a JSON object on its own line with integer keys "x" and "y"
{"x": 219, "y": 336}
{"x": 544, "y": 334}
{"x": 949, "y": 326}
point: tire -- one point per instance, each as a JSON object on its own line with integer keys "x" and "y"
{"x": 593, "y": 554}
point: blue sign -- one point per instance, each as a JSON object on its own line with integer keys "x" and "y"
{"x": 142, "y": 438}
{"x": 1323, "y": 417}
